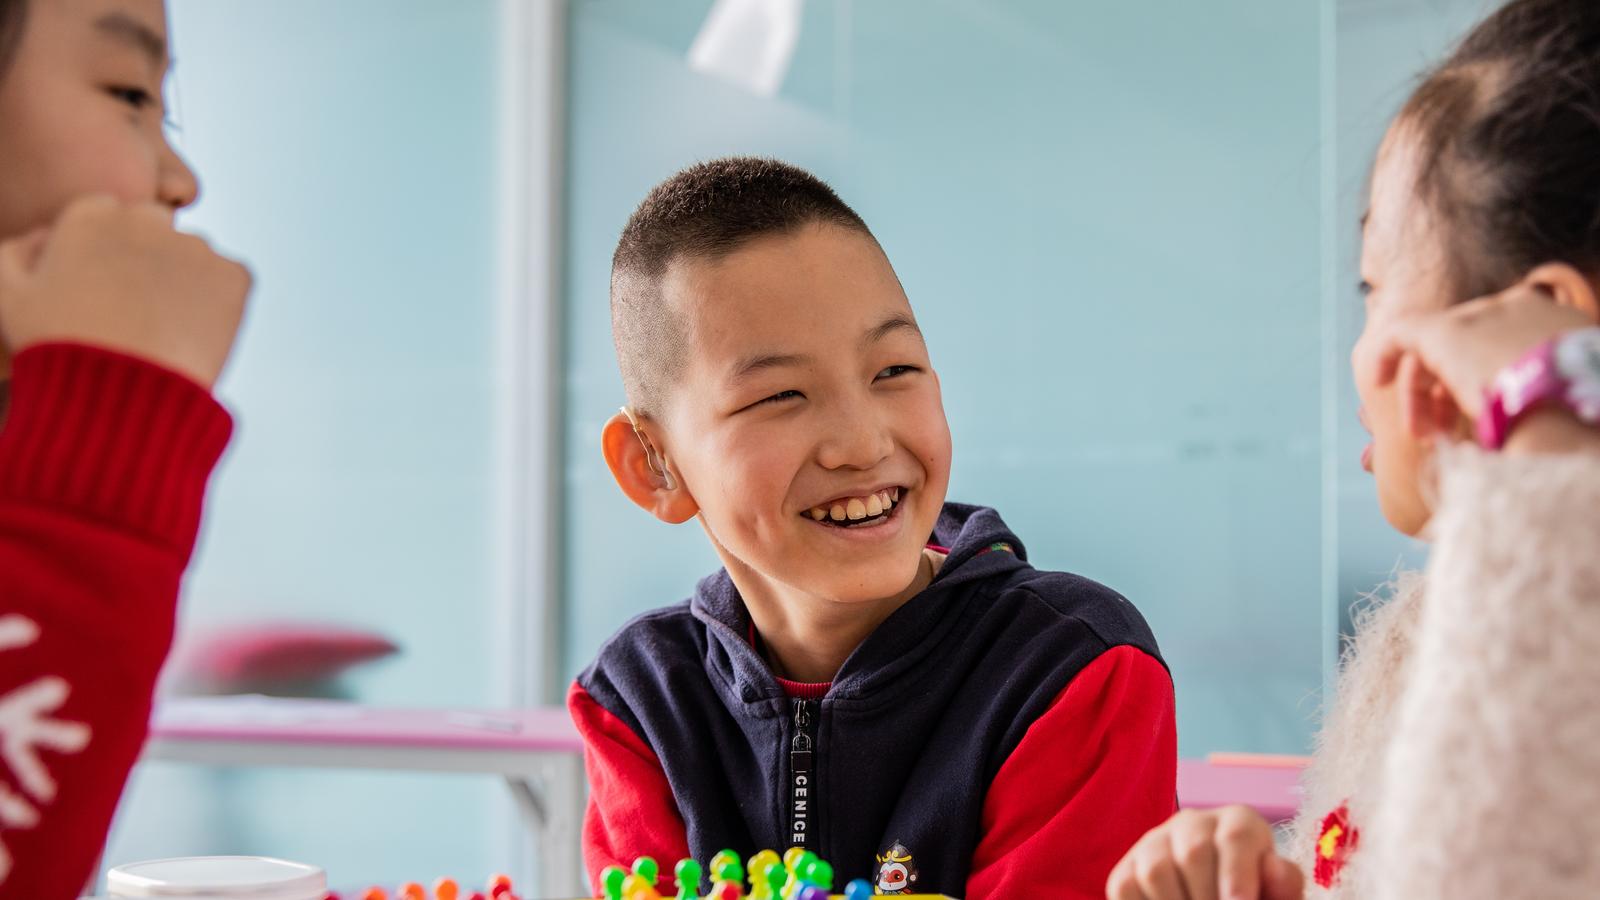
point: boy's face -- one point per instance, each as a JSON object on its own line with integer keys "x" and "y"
{"x": 808, "y": 390}
{"x": 81, "y": 112}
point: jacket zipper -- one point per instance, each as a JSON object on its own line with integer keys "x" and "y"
{"x": 802, "y": 777}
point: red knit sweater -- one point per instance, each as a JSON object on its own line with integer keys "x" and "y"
{"x": 103, "y": 466}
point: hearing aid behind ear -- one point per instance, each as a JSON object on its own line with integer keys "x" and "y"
{"x": 657, "y": 464}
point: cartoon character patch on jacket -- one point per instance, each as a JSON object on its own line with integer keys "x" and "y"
{"x": 897, "y": 871}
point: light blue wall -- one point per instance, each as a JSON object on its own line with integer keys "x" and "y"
{"x": 1107, "y": 217}
{"x": 347, "y": 153}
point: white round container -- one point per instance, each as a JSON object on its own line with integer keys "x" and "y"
{"x": 218, "y": 878}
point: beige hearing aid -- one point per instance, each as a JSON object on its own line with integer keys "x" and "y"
{"x": 657, "y": 464}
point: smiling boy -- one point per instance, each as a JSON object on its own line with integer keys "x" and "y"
{"x": 875, "y": 675}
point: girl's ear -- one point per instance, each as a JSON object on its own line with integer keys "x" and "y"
{"x": 1567, "y": 287}
{"x": 645, "y": 476}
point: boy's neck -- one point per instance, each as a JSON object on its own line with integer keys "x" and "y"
{"x": 808, "y": 638}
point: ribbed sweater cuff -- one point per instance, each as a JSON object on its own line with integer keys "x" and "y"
{"x": 112, "y": 437}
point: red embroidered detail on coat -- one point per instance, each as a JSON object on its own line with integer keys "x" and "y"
{"x": 1335, "y": 842}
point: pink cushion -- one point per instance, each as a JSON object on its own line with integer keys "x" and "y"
{"x": 278, "y": 652}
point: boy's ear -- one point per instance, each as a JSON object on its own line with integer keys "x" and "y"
{"x": 636, "y": 473}
{"x": 1567, "y": 287}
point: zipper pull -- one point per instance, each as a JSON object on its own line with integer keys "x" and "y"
{"x": 800, "y": 747}
{"x": 802, "y": 726}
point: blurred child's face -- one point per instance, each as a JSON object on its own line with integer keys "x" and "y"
{"x": 808, "y": 390}
{"x": 81, "y": 112}
{"x": 1403, "y": 266}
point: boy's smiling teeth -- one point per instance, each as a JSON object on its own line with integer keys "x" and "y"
{"x": 854, "y": 509}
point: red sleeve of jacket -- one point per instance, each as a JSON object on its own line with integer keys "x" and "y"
{"x": 631, "y": 811}
{"x": 1089, "y": 778}
{"x": 103, "y": 466}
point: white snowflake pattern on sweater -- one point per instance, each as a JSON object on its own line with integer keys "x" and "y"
{"x": 27, "y": 727}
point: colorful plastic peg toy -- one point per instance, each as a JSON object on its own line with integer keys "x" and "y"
{"x": 776, "y": 876}
{"x": 756, "y": 868}
{"x": 796, "y": 875}
{"x": 687, "y": 873}
{"x": 634, "y": 884}
{"x": 499, "y": 888}
{"x": 611, "y": 879}
{"x": 646, "y": 868}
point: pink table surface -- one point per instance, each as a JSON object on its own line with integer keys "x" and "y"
{"x": 267, "y": 719}
{"x": 1272, "y": 790}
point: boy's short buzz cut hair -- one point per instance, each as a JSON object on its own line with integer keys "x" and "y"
{"x": 705, "y": 211}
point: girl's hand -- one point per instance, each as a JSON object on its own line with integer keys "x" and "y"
{"x": 118, "y": 276}
{"x": 1443, "y": 363}
{"x": 1215, "y": 854}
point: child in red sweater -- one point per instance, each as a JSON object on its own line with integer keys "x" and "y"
{"x": 113, "y": 328}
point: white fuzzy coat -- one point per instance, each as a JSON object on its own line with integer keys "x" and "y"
{"x": 1465, "y": 737}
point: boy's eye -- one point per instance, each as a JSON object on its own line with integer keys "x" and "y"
{"x": 894, "y": 372}
{"x": 1365, "y": 287}
{"x": 776, "y": 398}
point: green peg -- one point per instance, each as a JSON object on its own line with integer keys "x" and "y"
{"x": 802, "y": 863}
{"x": 776, "y": 876}
{"x": 688, "y": 872}
{"x": 646, "y": 868}
{"x": 730, "y": 870}
{"x": 821, "y": 875}
{"x": 611, "y": 878}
